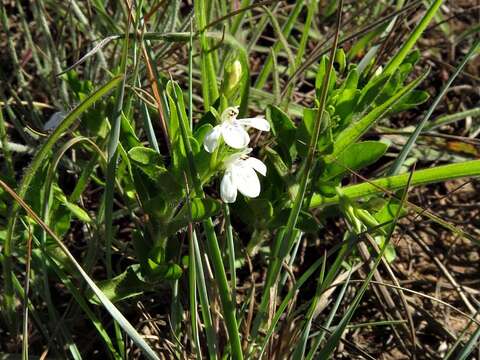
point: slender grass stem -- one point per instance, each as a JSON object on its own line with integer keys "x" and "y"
{"x": 209, "y": 78}
{"x": 204, "y": 301}
{"x": 36, "y": 164}
{"x": 231, "y": 250}
{"x": 213, "y": 248}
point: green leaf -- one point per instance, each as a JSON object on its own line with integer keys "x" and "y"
{"x": 371, "y": 91}
{"x": 356, "y": 157}
{"x": 128, "y": 136}
{"x": 304, "y": 131}
{"x": 201, "y": 210}
{"x": 415, "y": 98}
{"x": 399, "y": 57}
{"x": 283, "y": 129}
{"x": 201, "y": 132}
{"x": 144, "y": 156}
{"x": 346, "y": 101}
{"x": 351, "y": 81}
{"x": 353, "y": 132}
{"x": 121, "y": 287}
{"x": 78, "y": 212}
{"x": 165, "y": 271}
{"x": 341, "y": 60}
{"x": 256, "y": 213}
{"x": 321, "y": 73}
{"x": 147, "y": 160}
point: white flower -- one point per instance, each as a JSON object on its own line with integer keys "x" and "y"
{"x": 233, "y": 130}
{"x": 240, "y": 175}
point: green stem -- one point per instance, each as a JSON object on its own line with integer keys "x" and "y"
{"x": 231, "y": 249}
{"x": 213, "y": 249}
{"x": 237, "y": 21}
{"x": 209, "y": 78}
{"x": 287, "y": 28}
{"x": 204, "y": 302}
{"x": 396, "y": 182}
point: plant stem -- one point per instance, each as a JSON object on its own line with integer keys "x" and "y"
{"x": 213, "y": 249}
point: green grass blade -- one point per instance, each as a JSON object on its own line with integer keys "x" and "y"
{"x": 471, "y": 344}
{"x": 393, "y": 183}
{"x": 116, "y": 314}
{"x": 334, "y": 339}
{"x": 396, "y": 166}
{"x": 395, "y": 62}
{"x": 460, "y": 336}
{"x": 112, "y": 156}
{"x": 237, "y": 21}
{"x": 451, "y": 118}
{"x": 287, "y": 28}
{"x": 37, "y": 162}
{"x": 284, "y": 240}
{"x": 208, "y": 74}
{"x": 204, "y": 301}
{"x": 319, "y": 338}
{"x": 231, "y": 250}
{"x": 215, "y": 255}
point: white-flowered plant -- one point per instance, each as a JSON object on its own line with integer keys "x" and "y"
{"x": 233, "y": 130}
{"x": 241, "y": 175}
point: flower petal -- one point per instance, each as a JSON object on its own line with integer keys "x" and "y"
{"x": 228, "y": 189}
{"x": 210, "y": 142}
{"x": 235, "y": 136}
{"x": 257, "y": 122}
{"x": 246, "y": 180}
{"x": 256, "y": 164}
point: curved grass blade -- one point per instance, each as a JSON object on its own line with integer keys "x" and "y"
{"x": 209, "y": 77}
{"x": 102, "y": 43}
{"x": 470, "y": 345}
{"x": 284, "y": 33}
{"x": 215, "y": 255}
{"x": 116, "y": 314}
{"x": 430, "y": 174}
{"x": 395, "y": 62}
{"x": 38, "y": 160}
{"x": 282, "y": 247}
{"x": 451, "y": 118}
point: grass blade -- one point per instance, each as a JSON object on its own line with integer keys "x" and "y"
{"x": 396, "y": 182}
{"x": 396, "y": 166}
{"x": 333, "y": 340}
{"x": 116, "y": 314}
{"x": 395, "y": 62}
{"x": 38, "y": 160}
{"x": 285, "y": 239}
